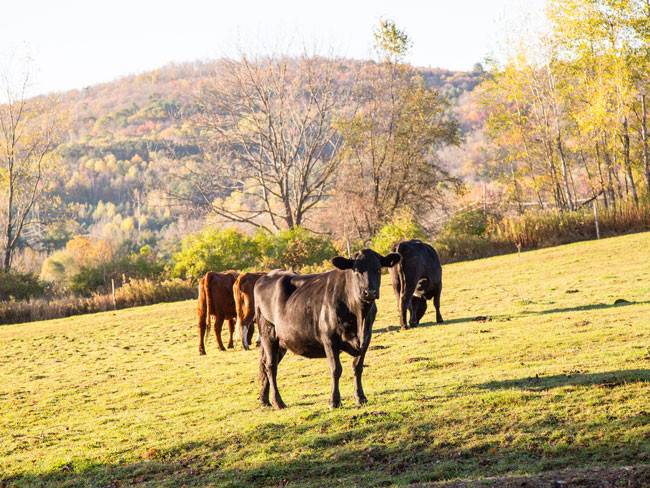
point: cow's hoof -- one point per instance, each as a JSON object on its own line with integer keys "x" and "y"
{"x": 222, "y": 348}
{"x": 279, "y": 405}
{"x": 334, "y": 405}
{"x": 201, "y": 353}
{"x": 362, "y": 401}
{"x": 439, "y": 320}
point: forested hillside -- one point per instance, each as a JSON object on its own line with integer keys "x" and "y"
{"x": 111, "y": 179}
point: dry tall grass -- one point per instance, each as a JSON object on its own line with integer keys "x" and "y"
{"x": 133, "y": 293}
{"x": 538, "y": 230}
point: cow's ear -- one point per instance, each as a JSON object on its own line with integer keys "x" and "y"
{"x": 390, "y": 260}
{"x": 342, "y": 263}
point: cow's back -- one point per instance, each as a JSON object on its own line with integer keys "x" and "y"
{"x": 219, "y": 292}
{"x": 293, "y": 303}
{"x": 418, "y": 260}
{"x": 243, "y": 293}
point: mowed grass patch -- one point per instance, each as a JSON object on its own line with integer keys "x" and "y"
{"x": 535, "y": 369}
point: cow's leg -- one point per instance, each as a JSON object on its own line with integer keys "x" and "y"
{"x": 357, "y": 365}
{"x": 332, "y": 352}
{"x": 264, "y": 380}
{"x": 218, "y": 324}
{"x": 202, "y": 329}
{"x": 419, "y": 307}
{"x": 274, "y": 354}
{"x": 436, "y": 302}
{"x": 406, "y": 305}
{"x": 248, "y": 333}
{"x": 397, "y": 287}
{"x": 270, "y": 357}
{"x": 265, "y": 383}
{"x": 231, "y": 329}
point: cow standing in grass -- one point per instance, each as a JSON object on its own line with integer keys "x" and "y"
{"x": 416, "y": 279}
{"x": 245, "y": 305}
{"x": 216, "y": 300}
{"x": 319, "y": 315}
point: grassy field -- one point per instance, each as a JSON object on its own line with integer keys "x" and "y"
{"x": 552, "y": 375}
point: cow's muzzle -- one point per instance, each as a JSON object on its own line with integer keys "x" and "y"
{"x": 369, "y": 295}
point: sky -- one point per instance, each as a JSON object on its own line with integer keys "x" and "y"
{"x": 72, "y": 43}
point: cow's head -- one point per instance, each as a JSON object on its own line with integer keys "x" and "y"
{"x": 365, "y": 273}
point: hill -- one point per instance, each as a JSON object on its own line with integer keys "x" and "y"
{"x": 120, "y": 135}
{"x": 535, "y": 370}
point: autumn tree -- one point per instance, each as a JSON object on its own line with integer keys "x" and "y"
{"x": 270, "y": 148}
{"x": 391, "y": 140}
{"x": 566, "y": 108}
{"x": 30, "y": 131}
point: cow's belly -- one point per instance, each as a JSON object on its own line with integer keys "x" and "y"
{"x": 305, "y": 349}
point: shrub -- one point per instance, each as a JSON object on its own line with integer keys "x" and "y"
{"x": 20, "y": 286}
{"x": 472, "y": 222}
{"x": 321, "y": 267}
{"x": 93, "y": 279}
{"x": 141, "y": 265}
{"x": 216, "y": 250}
{"x": 56, "y": 268}
{"x": 402, "y": 227}
{"x": 294, "y": 248}
{"x": 87, "y": 280}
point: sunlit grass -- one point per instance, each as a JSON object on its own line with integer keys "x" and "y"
{"x": 555, "y": 376}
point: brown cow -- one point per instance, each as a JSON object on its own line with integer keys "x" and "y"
{"x": 216, "y": 299}
{"x": 245, "y": 305}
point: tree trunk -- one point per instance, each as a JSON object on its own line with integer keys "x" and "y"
{"x": 610, "y": 176}
{"x": 516, "y": 187}
{"x": 7, "y": 258}
{"x": 644, "y": 134}
{"x": 565, "y": 175}
{"x": 626, "y": 159}
{"x": 590, "y": 178}
{"x": 8, "y": 234}
{"x": 600, "y": 177}
{"x": 557, "y": 194}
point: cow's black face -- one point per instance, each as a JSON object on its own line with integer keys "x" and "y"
{"x": 366, "y": 271}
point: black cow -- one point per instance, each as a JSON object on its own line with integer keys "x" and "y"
{"x": 319, "y": 315}
{"x": 416, "y": 279}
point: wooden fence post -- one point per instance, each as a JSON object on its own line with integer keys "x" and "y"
{"x": 113, "y": 287}
{"x": 596, "y": 220}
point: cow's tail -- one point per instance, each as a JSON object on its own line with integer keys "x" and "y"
{"x": 240, "y": 307}
{"x": 400, "y": 269}
{"x": 208, "y": 305}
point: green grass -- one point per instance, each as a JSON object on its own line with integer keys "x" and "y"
{"x": 556, "y": 377}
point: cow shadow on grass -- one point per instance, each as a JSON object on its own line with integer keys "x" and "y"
{"x": 607, "y": 379}
{"x": 354, "y": 451}
{"x": 579, "y": 308}
{"x": 508, "y": 317}
{"x": 395, "y": 327}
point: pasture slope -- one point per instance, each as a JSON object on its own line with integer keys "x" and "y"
{"x": 555, "y": 378}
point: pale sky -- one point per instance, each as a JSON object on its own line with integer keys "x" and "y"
{"x": 77, "y": 43}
